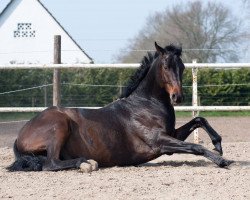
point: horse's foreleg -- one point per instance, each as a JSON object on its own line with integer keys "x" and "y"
{"x": 184, "y": 131}
{"x": 171, "y": 145}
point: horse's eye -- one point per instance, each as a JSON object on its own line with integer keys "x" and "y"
{"x": 165, "y": 65}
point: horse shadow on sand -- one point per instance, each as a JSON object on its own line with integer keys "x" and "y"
{"x": 196, "y": 163}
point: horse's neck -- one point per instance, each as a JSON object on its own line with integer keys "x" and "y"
{"x": 150, "y": 89}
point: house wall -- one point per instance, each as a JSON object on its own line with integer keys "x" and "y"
{"x": 27, "y": 35}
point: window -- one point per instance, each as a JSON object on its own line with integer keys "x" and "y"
{"x": 24, "y": 30}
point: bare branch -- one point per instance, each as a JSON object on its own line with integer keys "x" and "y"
{"x": 209, "y": 29}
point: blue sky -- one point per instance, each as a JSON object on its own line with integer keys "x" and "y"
{"x": 103, "y": 27}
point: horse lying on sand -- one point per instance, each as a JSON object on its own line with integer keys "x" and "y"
{"x": 132, "y": 130}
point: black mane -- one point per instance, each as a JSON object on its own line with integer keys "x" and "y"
{"x": 142, "y": 71}
{"x": 138, "y": 75}
{"x": 176, "y": 50}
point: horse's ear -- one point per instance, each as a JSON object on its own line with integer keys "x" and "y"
{"x": 159, "y": 49}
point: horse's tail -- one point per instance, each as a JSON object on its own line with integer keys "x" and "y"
{"x": 25, "y": 162}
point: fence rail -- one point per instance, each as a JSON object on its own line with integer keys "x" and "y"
{"x": 177, "y": 108}
{"x": 129, "y": 65}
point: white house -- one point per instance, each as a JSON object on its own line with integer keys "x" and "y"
{"x": 27, "y": 32}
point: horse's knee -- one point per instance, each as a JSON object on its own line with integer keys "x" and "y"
{"x": 201, "y": 121}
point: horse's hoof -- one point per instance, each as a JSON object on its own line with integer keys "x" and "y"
{"x": 225, "y": 163}
{"x": 85, "y": 167}
{"x": 94, "y": 164}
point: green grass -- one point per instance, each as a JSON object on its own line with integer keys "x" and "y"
{"x": 16, "y": 116}
{"x": 215, "y": 114}
{"x": 225, "y": 114}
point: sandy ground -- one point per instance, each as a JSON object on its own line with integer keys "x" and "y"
{"x": 168, "y": 177}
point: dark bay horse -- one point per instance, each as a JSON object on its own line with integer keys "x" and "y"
{"x": 132, "y": 130}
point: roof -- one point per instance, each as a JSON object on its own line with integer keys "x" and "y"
{"x": 6, "y": 7}
{"x": 55, "y": 21}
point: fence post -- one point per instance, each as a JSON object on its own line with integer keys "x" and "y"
{"x": 57, "y": 72}
{"x": 45, "y": 96}
{"x": 195, "y": 99}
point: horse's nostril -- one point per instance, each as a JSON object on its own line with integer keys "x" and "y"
{"x": 174, "y": 97}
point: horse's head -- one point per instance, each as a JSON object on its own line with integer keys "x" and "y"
{"x": 171, "y": 69}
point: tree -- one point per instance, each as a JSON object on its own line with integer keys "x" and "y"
{"x": 246, "y": 3}
{"x": 207, "y": 32}
{"x": 246, "y": 6}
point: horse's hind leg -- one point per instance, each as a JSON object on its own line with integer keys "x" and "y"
{"x": 53, "y": 162}
{"x": 170, "y": 145}
{"x": 56, "y": 164}
{"x": 184, "y": 131}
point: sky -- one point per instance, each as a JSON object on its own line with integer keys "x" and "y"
{"x": 104, "y": 27}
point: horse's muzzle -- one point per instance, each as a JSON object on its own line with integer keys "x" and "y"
{"x": 176, "y": 98}
{"x": 175, "y": 93}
